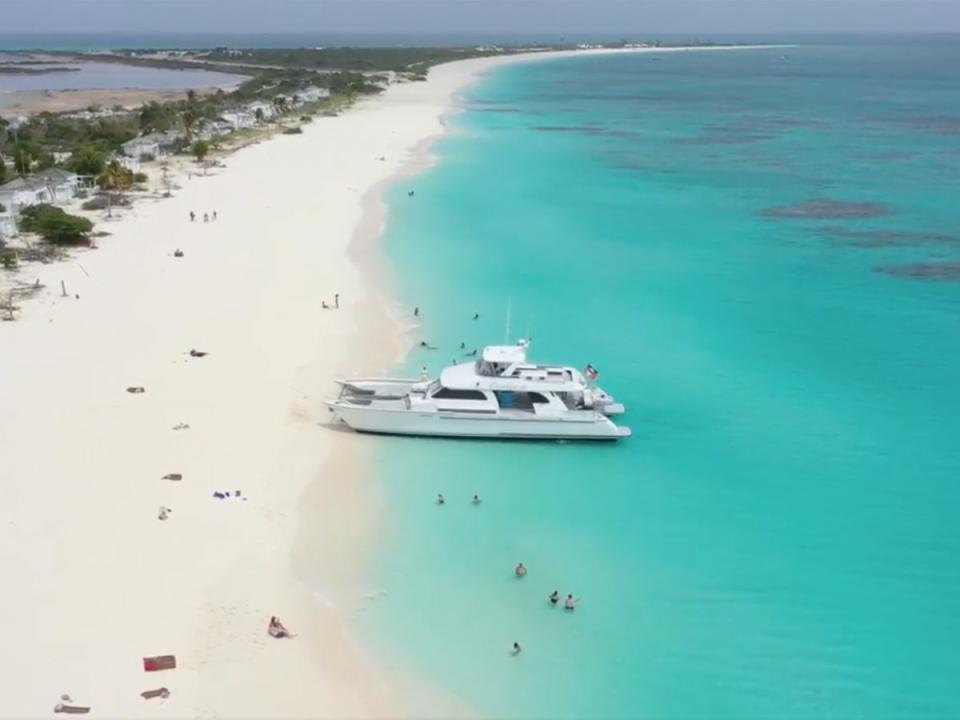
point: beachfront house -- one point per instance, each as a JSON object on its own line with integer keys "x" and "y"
{"x": 142, "y": 148}
{"x": 311, "y": 94}
{"x": 239, "y": 119}
{"x": 53, "y": 186}
{"x": 22, "y": 192}
{"x": 63, "y": 184}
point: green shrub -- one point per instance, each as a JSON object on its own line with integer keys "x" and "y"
{"x": 55, "y": 225}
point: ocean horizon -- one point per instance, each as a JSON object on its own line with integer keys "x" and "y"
{"x": 759, "y": 251}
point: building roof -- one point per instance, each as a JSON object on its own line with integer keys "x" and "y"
{"x": 55, "y": 175}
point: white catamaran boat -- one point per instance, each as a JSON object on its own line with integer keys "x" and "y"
{"x": 500, "y": 395}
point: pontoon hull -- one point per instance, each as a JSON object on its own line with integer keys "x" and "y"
{"x": 592, "y": 426}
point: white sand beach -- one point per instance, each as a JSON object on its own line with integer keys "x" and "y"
{"x": 94, "y": 581}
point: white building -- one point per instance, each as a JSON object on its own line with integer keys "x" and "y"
{"x": 311, "y": 94}
{"x": 53, "y": 186}
{"x": 239, "y": 119}
{"x": 142, "y": 148}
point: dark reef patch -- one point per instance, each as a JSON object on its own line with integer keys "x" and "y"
{"x": 826, "y": 209}
{"x": 885, "y": 238}
{"x": 731, "y": 139}
{"x": 930, "y": 271}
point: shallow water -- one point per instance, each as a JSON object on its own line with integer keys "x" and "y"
{"x": 109, "y": 76}
{"x": 719, "y": 233}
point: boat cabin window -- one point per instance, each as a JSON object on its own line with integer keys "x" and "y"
{"x": 451, "y": 394}
{"x": 520, "y": 400}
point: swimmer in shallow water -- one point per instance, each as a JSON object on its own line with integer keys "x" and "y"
{"x": 521, "y": 570}
{"x": 554, "y": 597}
{"x": 476, "y": 500}
{"x": 516, "y": 648}
{"x": 441, "y": 499}
{"x": 570, "y": 603}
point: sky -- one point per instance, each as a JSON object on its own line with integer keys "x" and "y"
{"x": 628, "y": 17}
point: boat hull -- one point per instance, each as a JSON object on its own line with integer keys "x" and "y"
{"x": 591, "y": 426}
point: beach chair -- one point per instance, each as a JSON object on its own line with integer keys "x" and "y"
{"x": 159, "y": 662}
{"x": 159, "y": 692}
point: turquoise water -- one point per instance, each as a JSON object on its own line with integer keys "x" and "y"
{"x": 760, "y": 251}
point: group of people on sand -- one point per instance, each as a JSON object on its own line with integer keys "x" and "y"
{"x": 207, "y": 217}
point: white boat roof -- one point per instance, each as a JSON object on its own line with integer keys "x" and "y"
{"x": 530, "y": 378}
{"x": 505, "y": 353}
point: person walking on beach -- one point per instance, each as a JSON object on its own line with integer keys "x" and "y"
{"x": 193, "y": 216}
{"x": 570, "y": 603}
{"x": 416, "y": 311}
{"x": 206, "y": 218}
{"x": 336, "y": 298}
{"x": 554, "y": 597}
{"x": 214, "y": 215}
{"x": 521, "y": 570}
{"x": 441, "y": 499}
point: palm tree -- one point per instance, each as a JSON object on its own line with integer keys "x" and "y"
{"x": 191, "y": 122}
{"x": 115, "y": 177}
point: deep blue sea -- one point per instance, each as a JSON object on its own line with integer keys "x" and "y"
{"x": 760, "y": 251}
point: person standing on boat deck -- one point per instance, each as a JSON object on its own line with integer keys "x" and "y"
{"x": 554, "y": 597}
{"x": 570, "y": 603}
{"x": 521, "y": 570}
{"x": 440, "y": 499}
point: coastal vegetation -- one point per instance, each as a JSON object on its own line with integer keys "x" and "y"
{"x": 55, "y": 225}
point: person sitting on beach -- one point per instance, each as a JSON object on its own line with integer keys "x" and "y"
{"x": 276, "y": 628}
{"x": 521, "y": 570}
{"x": 570, "y": 603}
{"x": 441, "y": 499}
{"x": 554, "y": 597}
{"x": 178, "y": 253}
{"x": 323, "y": 304}
{"x": 516, "y": 648}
